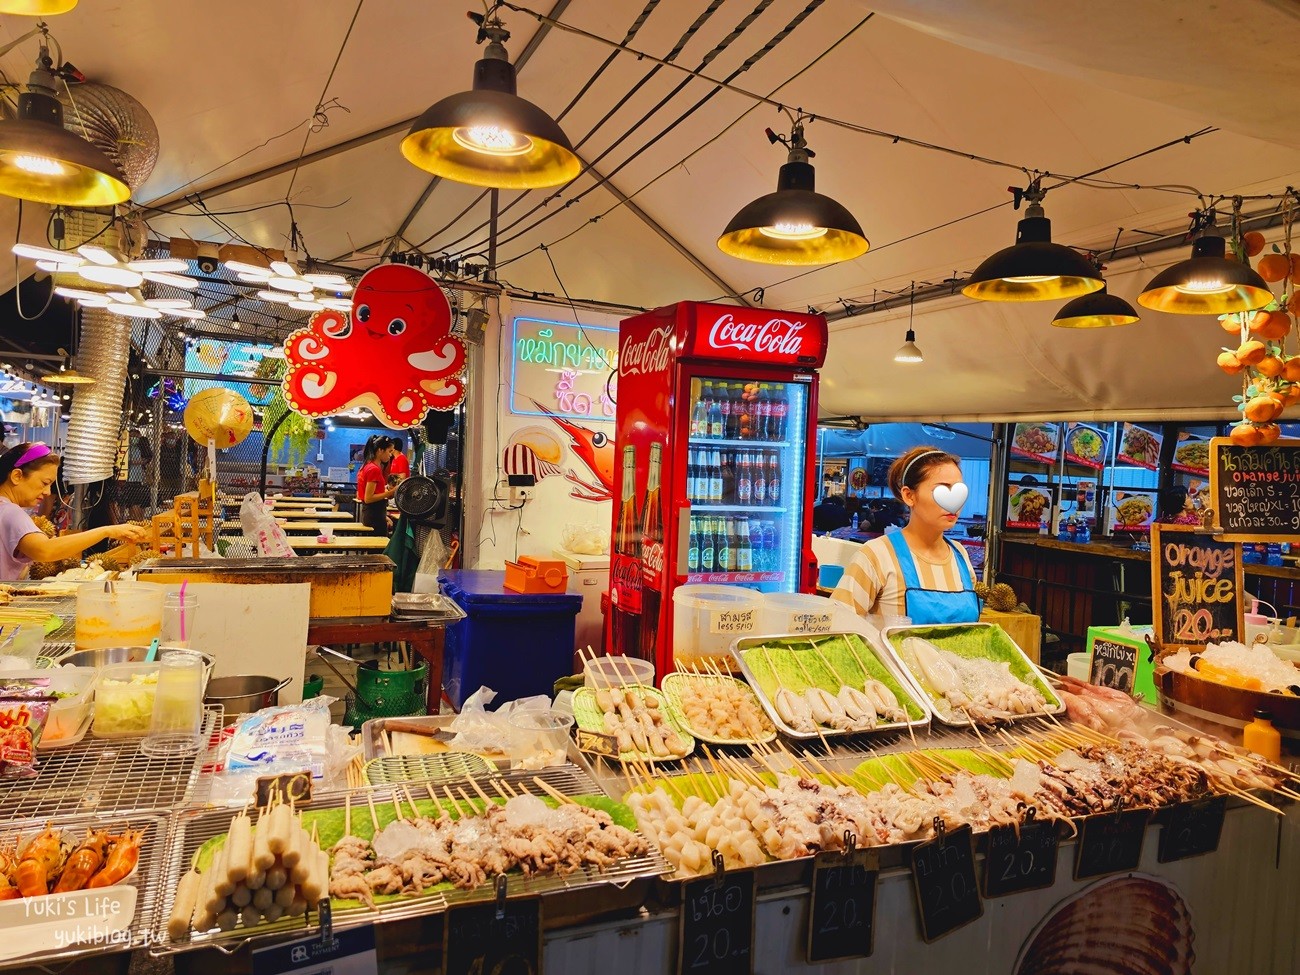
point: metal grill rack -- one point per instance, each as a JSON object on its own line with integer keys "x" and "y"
{"x": 105, "y": 776}
{"x": 195, "y": 827}
{"x": 147, "y": 877}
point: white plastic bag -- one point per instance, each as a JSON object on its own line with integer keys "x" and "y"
{"x": 480, "y": 730}
{"x": 261, "y": 530}
{"x": 585, "y": 539}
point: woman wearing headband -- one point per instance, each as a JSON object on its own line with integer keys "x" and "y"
{"x": 26, "y": 473}
{"x": 917, "y": 572}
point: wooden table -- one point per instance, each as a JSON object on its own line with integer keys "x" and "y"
{"x": 424, "y": 637}
{"x": 304, "y": 515}
{"x": 360, "y": 543}
{"x": 306, "y": 527}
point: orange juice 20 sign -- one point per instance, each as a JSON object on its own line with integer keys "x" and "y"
{"x": 1196, "y": 586}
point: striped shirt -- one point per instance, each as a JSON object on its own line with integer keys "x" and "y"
{"x": 873, "y": 582}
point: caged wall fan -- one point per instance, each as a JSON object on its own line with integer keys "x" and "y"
{"x": 425, "y": 500}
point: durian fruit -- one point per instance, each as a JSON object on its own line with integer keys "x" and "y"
{"x": 1000, "y": 597}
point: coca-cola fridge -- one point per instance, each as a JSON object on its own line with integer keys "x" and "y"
{"x": 715, "y": 420}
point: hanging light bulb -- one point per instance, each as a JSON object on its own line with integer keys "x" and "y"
{"x": 489, "y": 136}
{"x": 1101, "y": 309}
{"x": 1208, "y": 282}
{"x": 909, "y": 352}
{"x": 36, "y": 8}
{"x": 42, "y": 161}
{"x": 795, "y": 225}
{"x": 67, "y": 375}
{"x": 1033, "y": 268}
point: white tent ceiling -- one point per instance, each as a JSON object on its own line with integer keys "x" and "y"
{"x": 1064, "y": 88}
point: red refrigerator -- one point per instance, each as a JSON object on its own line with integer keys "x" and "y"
{"x": 716, "y": 417}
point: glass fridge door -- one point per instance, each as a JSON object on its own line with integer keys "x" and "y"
{"x": 746, "y": 463}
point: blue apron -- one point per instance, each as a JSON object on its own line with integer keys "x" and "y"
{"x": 929, "y": 607}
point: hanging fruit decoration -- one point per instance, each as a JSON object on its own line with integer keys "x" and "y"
{"x": 1270, "y": 377}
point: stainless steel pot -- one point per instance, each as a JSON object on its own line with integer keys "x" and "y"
{"x": 125, "y": 655}
{"x": 244, "y": 695}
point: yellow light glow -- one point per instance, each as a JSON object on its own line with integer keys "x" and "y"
{"x": 42, "y": 165}
{"x": 1196, "y": 286}
{"x": 492, "y": 139}
{"x": 793, "y": 231}
{"x": 1032, "y": 278}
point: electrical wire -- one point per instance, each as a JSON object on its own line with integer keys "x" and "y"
{"x": 18, "y": 280}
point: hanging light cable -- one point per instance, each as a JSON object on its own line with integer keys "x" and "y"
{"x": 909, "y": 352}
{"x": 489, "y": 136}
{"x": 1033, "y": 268}
{"x": 796, "y": 224}
{"x": 1208, "y": 282}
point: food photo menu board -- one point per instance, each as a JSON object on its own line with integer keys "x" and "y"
{"x": 1140, "y": 447}
{"x": 1085, "y": 445}
{"x": 1039, "y": 442}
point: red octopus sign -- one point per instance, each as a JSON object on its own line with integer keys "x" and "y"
{"x": 394, "y": 354}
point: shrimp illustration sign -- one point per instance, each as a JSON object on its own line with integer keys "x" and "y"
{"x": 394, "y": 354}
{"x": 540, "y": 451}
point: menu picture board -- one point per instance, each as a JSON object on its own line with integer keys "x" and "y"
{"x": 1039, "y": 442}
{"x": 1140, "y": 447}
{"x": 1028, "y": 507}
{"x": 1255, "y": 491}
{"x": 1085, "y": 446}
{"x": 1192, "y": 455}
{"x": 1196, "y": 586}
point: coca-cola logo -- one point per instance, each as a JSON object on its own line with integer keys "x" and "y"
{"x": 649, "y": 355}
{"x": 777, "y": 336}
{"x": 625, "y": 583}
{"x": 652, "y": 555}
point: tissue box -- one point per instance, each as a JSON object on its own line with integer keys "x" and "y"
{"x": 530, "y": 575}
{"x": 1120, "y": 658}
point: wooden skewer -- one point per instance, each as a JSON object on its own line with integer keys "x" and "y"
{"x": 496, "y": 784}
{"x": 415, "y": 810}
{"x": 374, "y": 817}
{"x": 468, "y": 801}
{"x": 479, "y": 789}
{"x": 454, "y": 804}
{"x": 555, "y": 794}
{"x": 347, "y": 814}
{"x": 397, "y": 807}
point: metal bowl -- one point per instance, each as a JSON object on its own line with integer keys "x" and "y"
{"x": 125, "y": 655}
{"x": 244, "y": 695}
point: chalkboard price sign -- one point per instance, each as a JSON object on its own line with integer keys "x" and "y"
{"x": 1255, "y": 490}
{"x": 841, "y": 918}
{"x": 1020, "y": 859}
{"x": 1114, "y": 665}
{"x": 1196, "y": 585}
{"x": 498, "y": 936}
{"x": 717, "y": 925}
{"x": 943, "y": 877}
{"x": 1193, "y": 828}
{"x": 1110, "y": 842}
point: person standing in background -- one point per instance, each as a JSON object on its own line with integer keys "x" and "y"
{"x": 373, "y": 491}
{"x": 399, "y": 468}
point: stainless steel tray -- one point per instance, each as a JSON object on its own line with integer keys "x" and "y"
{"x": 918, "y": 688}
{"x": 430, "y": 606}
{"x": 886, "y": 661}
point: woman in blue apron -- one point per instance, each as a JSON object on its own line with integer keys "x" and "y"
{"x": 918, "y": 572}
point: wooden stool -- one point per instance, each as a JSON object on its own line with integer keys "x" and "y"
{"x": 194, "y": 521}
{"x": 164, "y": 527}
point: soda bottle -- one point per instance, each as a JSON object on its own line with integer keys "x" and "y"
{"x": 700, "y": 488}
{"x": 763, "y": 413}
{"x": 728, "y": 477}
{"x": 774, "y": 480}
{"x": 780, "y": 412}
{"x": 700, "y": 412}
{"x": 767, "y": 559}
{"x": 745, "y": 418}
{"x": 731, "y": 426}
{"x": 693, "y": 548}
{"x": 722, "y": 559}
{"x": 760, "y": 478}
{"x": 724, "y": 404}
{"x": 715, "y": 477}
{"x": 625, "y": 566}
{"x": 652, "y": 556}
{"x": 745, "y": 481}
{"x": 744, "y": 553}
{"x": 706, "y": 545}
{"x": 713, "y": 411}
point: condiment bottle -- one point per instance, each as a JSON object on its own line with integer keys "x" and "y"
{"x": 1262, "y": 738}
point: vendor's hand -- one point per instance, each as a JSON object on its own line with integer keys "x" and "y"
{"x": 128, "y": 533}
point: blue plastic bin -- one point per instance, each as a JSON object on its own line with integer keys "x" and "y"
{"x": 516, "y": 644}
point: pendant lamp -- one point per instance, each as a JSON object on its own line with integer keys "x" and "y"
{"x": 1033, "y": 268}
{"x": 1101, "y": 309}
{"x": 489, "y": 136}
{"x": 909, "y": 352}
{"x": 67, "y": 374}
{"x": 796, "y": 224}
{"x": 42, "y": 161}
{"x": 1207, "y": 283}
{"x": 36, "y": 8}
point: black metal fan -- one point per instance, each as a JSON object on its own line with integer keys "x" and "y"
{"x": 426, "y": 501}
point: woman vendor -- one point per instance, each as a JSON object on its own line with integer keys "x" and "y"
{"x": 916, "y": 572}
{"x": 27, "y": 472}
{"x": 373, "y": 491}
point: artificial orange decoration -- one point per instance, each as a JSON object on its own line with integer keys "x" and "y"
{"x": 1251, "y": 352}
{"x": 1293, "y": 303}
{"x": 1261, "y": 409}
{"x": 1246, "y": 435}
{"x": 1269, "y": 433}
{"x": 1274, "y": 267}
{"x": 1295, "y": 265}
{"x": 1270, "y": 324}
{"x": 1229, "y": 363}
{"x": 1253, "y": 241}
{"x": 1270, "y": 366}
{"x": 1291, "y": 395}
{"x": 1291, "y": 369}
{"x": 1230, "y": 324}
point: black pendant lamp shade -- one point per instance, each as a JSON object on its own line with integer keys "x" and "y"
{"x": 42, "y": 161}
{"x": 1033, "y": 268}
{"x": 1101, "y": 309}
{"x": 36, "y": 8}
{"x": 1207, "y": 283}
{"x": 489, "y": 136}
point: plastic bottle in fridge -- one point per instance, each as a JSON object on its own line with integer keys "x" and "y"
{"x": 760, "y": 478}
{"x": 780, "y": 411}
{"x": 700, "y": 412}
{"x": 763, "y": 413}
{"x": 744, "y": 553}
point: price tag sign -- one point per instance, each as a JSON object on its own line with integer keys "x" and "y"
{"x": 943, "y": 877}
{"x": 350, "y": 952}
{"x": 1193, "y": 828}
{"x": 1020, "y": 859}
{"x": 289, "y": 787}
{"x": 717, "y": 925}
{"x": 734, "y": 621}
{"x": 1110, "y": 842}
{"x": 810, "y": 623}
{"x": 499, "y": 936}
{"x": 597, "y": 743}
{"x": 841, "y": 918}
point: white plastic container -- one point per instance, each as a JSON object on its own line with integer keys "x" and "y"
{"x": 617, "y": 672}
{"x": 1078, "y": 665}
{"x": 706, "y": 619}
{"x": 796, "y": 612}
{"x": 117, "y": 695}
